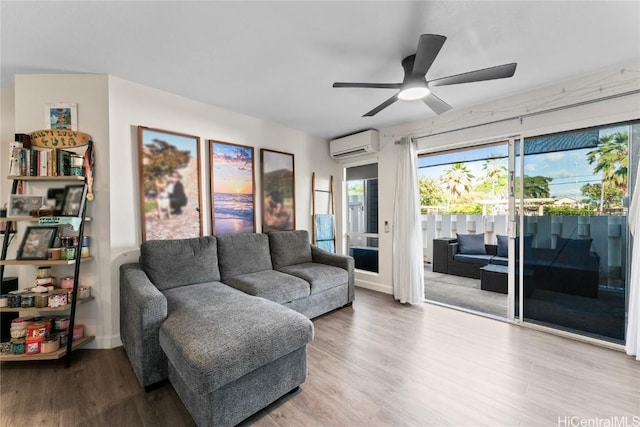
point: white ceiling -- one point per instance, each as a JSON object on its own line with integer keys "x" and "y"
{"x": 278, "y": 60}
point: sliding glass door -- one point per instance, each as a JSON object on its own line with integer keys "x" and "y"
{"x": 551, "y": 213}
{"x": 573, "y": 238}
{"x": 464, "y": 196}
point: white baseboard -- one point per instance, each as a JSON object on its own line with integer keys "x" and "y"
{"x": 105, "y": 342}
{"x": 374, "y": 287}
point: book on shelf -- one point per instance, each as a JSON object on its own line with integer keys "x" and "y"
{"x": 42, "y": 161}
{"x": 15, "y": 149}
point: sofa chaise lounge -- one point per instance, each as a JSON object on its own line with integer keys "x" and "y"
{"x": 226, "y": 319}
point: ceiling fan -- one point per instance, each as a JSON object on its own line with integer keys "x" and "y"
{"x": 415, "y": 86}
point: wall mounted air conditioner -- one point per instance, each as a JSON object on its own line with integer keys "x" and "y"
{"x": 353, "y": 145}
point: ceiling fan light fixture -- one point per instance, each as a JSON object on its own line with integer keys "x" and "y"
{"x": 413, "y": 93}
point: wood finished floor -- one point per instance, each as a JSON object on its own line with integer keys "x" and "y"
{"x": 375, "y": 364}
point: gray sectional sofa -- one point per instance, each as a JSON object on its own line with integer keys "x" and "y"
{"x": 226, "y": 319}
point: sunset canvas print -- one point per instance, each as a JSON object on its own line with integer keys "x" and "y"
{"x": 232, "y": 188}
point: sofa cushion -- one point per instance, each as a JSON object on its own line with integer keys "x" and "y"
{"x": 498, "y": 260}
{"x": 320, "y": 276}
{"x": 503, "y": 246}
{"x": 180, "y": 262}
{"x": 243, "y": 253}
{"x": 573, "y": 252}
{"x": 471, "y": 244}
{"x": 215, "y": 334}
{"x": 289, "y": 247}
{"x": 272, "y": 285}
{"x": 473, "y": 259}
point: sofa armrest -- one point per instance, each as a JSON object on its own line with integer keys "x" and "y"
{"x": 342, "y": 261}
{"x": 452, "y": 249}
{"x": 143, "y": 309}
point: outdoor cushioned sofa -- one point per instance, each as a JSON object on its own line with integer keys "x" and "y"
{"x": 226, "y": 319}
{"x": 569, "y": 268}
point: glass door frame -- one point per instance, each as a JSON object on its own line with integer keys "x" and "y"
{"x": 515, "y": 223}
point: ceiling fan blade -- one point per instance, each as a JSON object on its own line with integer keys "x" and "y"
{"x": 369, "y": 85}
{"x": 382, "y": 106}
{"x": 428, "y": 48}
{"x": 436, "y": 104}
{"x": 491, "y": 73}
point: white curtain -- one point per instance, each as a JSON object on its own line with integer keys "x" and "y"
{"x": 408, "y": 270}
{"x": 633, "y": 325}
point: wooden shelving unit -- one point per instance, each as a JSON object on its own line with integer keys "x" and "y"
{"x": 54, "y": 355}
{"x": 77, "y": 225}
{"x": 29, "y": 218}
{"x": 43, "y": 309}
{"x": 47, "y": 178}
{"x": 43, "y": 262}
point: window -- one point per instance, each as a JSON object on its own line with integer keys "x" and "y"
{"x": 362, "y": 219}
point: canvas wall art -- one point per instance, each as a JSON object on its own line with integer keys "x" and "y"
{"x": 232, "y": 188}
{"x": 170, "y": 200}
{"x": 61, "y": 116}
{"x": 278, "y": 191}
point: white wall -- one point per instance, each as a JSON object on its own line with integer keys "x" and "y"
{"x": 132, "y": 104}
{"x": 110, "y": 109}
{"x": 89, "y": 91}
{"x": 6, "y": 136}
{"x": 459, "y": 133}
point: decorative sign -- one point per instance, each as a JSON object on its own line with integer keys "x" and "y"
{"x": 59, "y": 138}
{"x": 74, "y": 222}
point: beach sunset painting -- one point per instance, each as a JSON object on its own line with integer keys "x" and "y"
{"x": 232, "y": 188}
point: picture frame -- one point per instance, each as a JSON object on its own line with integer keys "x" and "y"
{"x": 277, "y": 172}
{"x": 20, "y": 205}
{"x": 232, "y": 184}
{"x": 73, "y": 201}
{"x": 61, "y": 116}
{"x": 36, "y": 242}
{"x": 170, "y": 182}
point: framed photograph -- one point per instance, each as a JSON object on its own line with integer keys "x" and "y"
{"x": 21, "y": 205}
{"x": 61, "y": 116}
{"x": 232, "y": 188}
{"x": 278, "y": 191}
{"x": 36, "y": 242}
{"x": 170, "y": 200}
{"x": 73, "y": 200}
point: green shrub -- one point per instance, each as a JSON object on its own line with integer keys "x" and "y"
{"x": 467, "y": 208}
{"x": 568, "y": 210}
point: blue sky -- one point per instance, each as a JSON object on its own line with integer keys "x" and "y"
{"x": 570, "y": 169}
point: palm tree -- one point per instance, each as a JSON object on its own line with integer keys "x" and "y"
{"x": 495, "y": 169}
{"x": 611, "y": 157}
{"x": 457, "y": 180}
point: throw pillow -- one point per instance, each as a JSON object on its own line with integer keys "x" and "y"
{"x": 573, "y": 251}
{"x": 471, "y": 244}
{"x": 503, "y": 246}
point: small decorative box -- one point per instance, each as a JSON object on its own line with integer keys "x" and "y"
{"x": 14, "y": 301}
{"x": 33, "y": 345}
{"x": 57, "y": 300}
{"x": 50, "y": 345}
{"x": 84, "y": 292}
{"x": 41, "y": 300}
